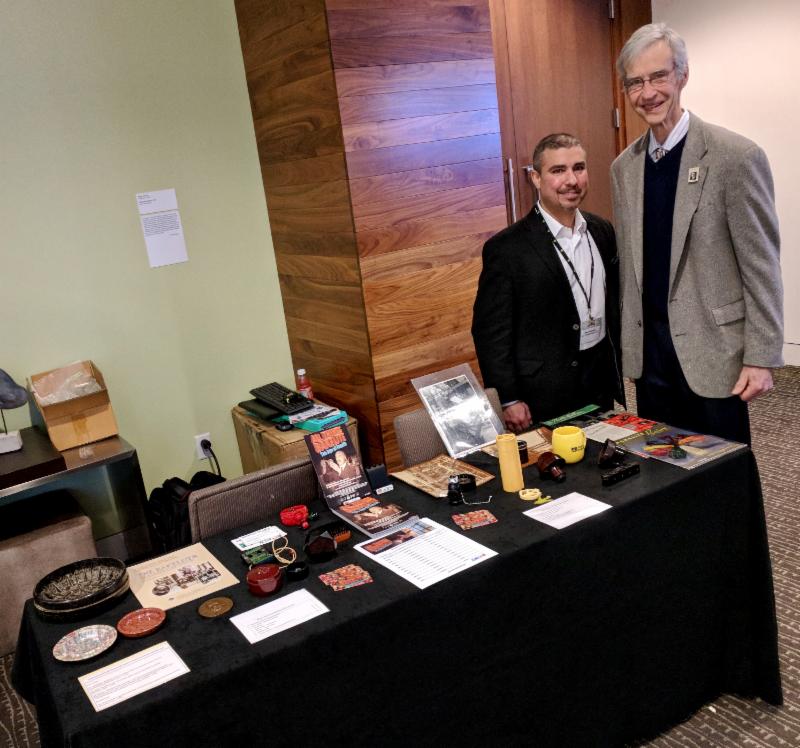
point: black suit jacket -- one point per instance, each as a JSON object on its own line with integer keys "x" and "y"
{"x": 525, "y": 324}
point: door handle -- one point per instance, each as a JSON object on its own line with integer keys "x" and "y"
{"x": 511, "y": 192}
{"x": 528, "y": 171}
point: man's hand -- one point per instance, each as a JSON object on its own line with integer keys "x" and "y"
{"x": 517, "y": 417}
{"x": 752, "y": 382}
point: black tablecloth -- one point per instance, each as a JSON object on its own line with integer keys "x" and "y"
{"x": 612, "y": 629}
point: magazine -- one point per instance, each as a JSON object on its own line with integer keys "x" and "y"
{"x": 178, "y": 577}
{"x": 681, "y": 447}
{"x": 459, "y": 409}
{"x": 617, "y": 426}
{"x": 345, "y": 486}
{"x": 431, "y": 476}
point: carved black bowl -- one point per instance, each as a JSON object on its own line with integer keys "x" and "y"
{"x": 80, "y": 585}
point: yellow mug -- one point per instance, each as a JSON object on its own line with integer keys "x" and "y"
{"x": 569, "y": 442}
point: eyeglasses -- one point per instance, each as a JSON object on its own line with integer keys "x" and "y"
{"x": 659, "y": 79}
{"x": 480, "y": 501}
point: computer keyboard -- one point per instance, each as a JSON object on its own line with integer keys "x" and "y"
{"x": 281, "y": 398}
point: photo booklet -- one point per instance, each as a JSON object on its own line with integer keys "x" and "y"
{"x": 345, "y": 486}
{"x": 459, "y": 409}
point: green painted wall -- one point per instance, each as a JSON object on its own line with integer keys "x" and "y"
{"x": 102, "y": 99}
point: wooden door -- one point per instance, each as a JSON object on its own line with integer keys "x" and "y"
{"x": 629, "y": 16}
{"x": 554, "y": 74}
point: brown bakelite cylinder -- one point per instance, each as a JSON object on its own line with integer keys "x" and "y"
{"x": 551, "y": 466}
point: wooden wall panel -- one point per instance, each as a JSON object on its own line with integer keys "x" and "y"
{"x": 414, "y": 259}
{"x": 261, "y": 22}
{"x": 318, "y": 169}
{"x": 415, "y": 233}
{"x": 393, "y": 369}
{"x": 310, "y": 243}
{"x": 350, "y": 53}
{"x": 423, "y": 4}
{"x": 413, "y": 77}
{"x": 399, "y": 158}
{"x": 428, "y": 207}
{"x": 381, "y": 107}
{"x": 319, "y": 267}
{"x": 379, "y": 135}
{"x": 292, "y": 98}
{"x": 379, "y": 141}
{"x": 395, "y": 322}
{"x": 386, "y": 134}
{"x": 403, "y": 184}
{"x": 295, "y": 45}
{"x": 299, "y": 137}
{"x": 418, "y": 103}
{"x": 374, "y": 22}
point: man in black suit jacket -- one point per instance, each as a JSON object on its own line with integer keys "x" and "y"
{"x": 546, "y": 316}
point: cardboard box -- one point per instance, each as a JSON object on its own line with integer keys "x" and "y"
{"x": 262, "y": 445}
{"x": 78, "y": 421}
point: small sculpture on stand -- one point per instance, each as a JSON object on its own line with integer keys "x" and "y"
{"x": 11, "y": 396}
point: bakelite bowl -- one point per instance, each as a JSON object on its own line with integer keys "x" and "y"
{"x": 265, "y": 579}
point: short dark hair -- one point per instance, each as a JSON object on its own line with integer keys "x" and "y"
{"x": 552, "y": 142}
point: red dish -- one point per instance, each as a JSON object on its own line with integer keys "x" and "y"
{"x": 141, "y": 622}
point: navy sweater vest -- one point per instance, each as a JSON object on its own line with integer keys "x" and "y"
{"x": 660, "y": 186}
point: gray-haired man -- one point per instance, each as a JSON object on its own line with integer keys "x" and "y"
{"x": 701, "y": 293}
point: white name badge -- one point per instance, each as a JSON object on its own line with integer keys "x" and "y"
{"x": 591, "y": 332}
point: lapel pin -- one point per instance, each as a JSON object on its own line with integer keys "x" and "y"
{"x": 694, "y": 174}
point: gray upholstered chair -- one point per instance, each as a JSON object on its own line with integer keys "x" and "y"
{"x": 418, "y": 438}
{"x": 252, "y": 497}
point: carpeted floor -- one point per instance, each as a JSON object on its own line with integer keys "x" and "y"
{"x": 18, "y": 725}
{"x": 728, "y": 722}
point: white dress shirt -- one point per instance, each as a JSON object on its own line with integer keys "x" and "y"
{"x": 675, "y": 136}
{"x": 579, "y": 246}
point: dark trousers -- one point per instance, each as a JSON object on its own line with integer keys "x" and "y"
{"x": 598, "y": 375}
{"x": 663, "y": 394}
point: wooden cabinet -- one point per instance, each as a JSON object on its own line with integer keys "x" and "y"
{"x": 379, "y": 137}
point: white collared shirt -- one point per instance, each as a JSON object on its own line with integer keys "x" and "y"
{"x": 579, "y": 246}
{"x": 677, "y": 134}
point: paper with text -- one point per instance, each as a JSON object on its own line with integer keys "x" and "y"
{"x": 567, "y": 510}
{"x": 133, "y": 675}
{"x": 259, "y": 537}
{"x": 426, "y": 552}
{"x": 281, "y": 614}
{"x": 162, "y": 228}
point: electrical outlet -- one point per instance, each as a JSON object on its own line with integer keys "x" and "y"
{"x": 200, "y": 453}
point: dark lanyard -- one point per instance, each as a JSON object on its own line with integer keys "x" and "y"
{"x": 560, "y": 251}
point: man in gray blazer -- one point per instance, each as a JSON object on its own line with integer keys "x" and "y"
{"x": 701, "y": 292}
